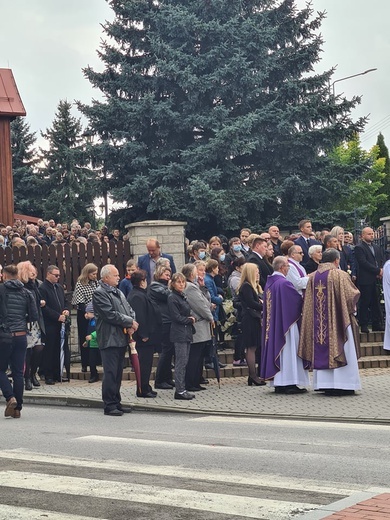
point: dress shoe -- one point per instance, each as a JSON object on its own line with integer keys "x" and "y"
{"x": 334, "y": 392}
{"x": 364, "y": 330}
{"x": 222, "y": 365}
{"x": 35, "y": 381}
{"x": 93, "y": 379}
{"x": 195, "y": 388}
{"x": 163, "y": 386}
{"x": 257, "y": 381}
{"x": 280, "y": 389}
{"x": 149, "y": 395}
{"x": 16, "y": 414}
{"x": 28, "y": 384}
{"x": 114, "y": 413}
{"x": 84, "y": 369}
{"x": 294, "y": 389}
{"x": 151, "y": 391}
{"x": 49, "y": 382}
{"x": 65, "y": 380}
{"x": 204, "y": 381}
{"x": 379, "y": 328}
{"x": 171, "y": 382}
{"x": 185, "y": 396}
{"x": 10, "y": 408}
{"x": 209, "y": 366}
{"x": 125, "y": 409}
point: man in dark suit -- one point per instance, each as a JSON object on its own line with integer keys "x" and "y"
{"x": 369, "y": 262}
{"x": 148, "y": 262}
{"x": 257, "y": 256}
{"x": 304, "y": 240}
{"x": 54, "y": 313}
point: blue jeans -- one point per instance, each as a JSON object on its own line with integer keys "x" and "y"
{"x": 13, "y": 356}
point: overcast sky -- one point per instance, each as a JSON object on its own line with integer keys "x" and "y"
{"x": 47, "y": 42}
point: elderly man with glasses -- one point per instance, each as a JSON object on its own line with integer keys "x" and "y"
{"x": 54, "y": 313}
{"x": 297, "y": 274}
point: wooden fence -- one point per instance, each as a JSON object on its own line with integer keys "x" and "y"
{"x": 69, "y": 258}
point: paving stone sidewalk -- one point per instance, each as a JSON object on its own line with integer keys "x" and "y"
{"x": 234, "y": 397}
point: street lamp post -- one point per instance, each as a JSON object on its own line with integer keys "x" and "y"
{"x": 349, "y": 77}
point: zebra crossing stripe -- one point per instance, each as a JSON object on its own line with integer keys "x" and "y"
{"x": 26, "y": 513}
{"x": 233, "y": 505}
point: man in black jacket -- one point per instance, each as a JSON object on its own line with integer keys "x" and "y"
{"x": 369, "y": 262}
{"x": 259, "y": 249}
{"x": 54, "y": 313}
{"x": 115, "y": 320}
{"x": 17, "y": 308}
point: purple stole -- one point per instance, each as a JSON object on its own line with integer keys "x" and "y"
{"x": 321, "y": 322}
{"x": 301, "y": 273}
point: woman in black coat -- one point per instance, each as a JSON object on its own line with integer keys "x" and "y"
{"x": 158, "y": 293}
{"x": 249, "y": 290}
{"x": 181, "y": 332}
{"x": 148, "y": 335}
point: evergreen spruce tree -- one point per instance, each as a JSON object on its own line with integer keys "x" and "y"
{"x": 68, "y": 183}
{"x": 212, "y": 112}
{"x": 24, "y": 161}
{"x": 383, "y": 209}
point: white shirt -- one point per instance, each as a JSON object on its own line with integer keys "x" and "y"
{"x": 294, "y": 276}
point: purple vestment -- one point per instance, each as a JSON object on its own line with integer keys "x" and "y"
{"x": 282, "y": 308}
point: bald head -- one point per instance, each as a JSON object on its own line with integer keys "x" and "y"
{"x": 368, "y": 235}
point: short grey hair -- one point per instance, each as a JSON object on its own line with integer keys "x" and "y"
{"x": 279, "y": 262}
{"x": 314, "y": 249}
{"x": 330, "y": 255}
{"x": 106, "y": 270}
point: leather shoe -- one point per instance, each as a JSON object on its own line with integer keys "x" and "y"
{"x": 209, "y": 366}
{"x": 114, "y": 413}
{"x": 49, "y": 382}
{"x": 293, "y": 389}
{"x": 149, "y": 395}
{"x": 28, "y": 384}
{"x": 10, "y": 408}
{"x": 163, "y": 386}
{"x": 16, "y": 414}
{"x": 171, "y": 382}
{"x": 35, "y": 381}
{"x": 93, "y": 379}
{"x": 364, "y": 330}
{"x": 125, "y": 409}
{"x": 185, "y": 396}
{"x": 196, "y": 388}
{"x": 222, "y": 365}
{"x": 204, "y": 381}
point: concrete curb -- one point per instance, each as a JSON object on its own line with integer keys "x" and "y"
{"x": 81, "y": 402}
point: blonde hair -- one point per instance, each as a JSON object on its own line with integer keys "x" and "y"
{"x": 334, "y": 232}
{"x": 251, "y": 238}
{"x": 86, "y": 271}
{"x": 248, "y": 274}
{"x": 24, "y": 269}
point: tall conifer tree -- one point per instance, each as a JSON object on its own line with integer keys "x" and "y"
{"x": 384, "y": 206}
{"x": 212, "y": 112}
{"x": 68, "y": 183}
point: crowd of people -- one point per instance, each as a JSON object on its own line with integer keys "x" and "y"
{"x": 295, "y": 303}
{"x": 47, "y": 232}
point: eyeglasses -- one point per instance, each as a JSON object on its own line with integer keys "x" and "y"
{"x": 56, "y": 275}
{"x": 299, "y": 252}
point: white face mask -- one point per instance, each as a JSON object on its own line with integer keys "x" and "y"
{"x": 202, "y": 255}
{"x": 222, "y": 258}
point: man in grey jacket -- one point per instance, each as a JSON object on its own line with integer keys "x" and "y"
{"x": 115, "y": 320}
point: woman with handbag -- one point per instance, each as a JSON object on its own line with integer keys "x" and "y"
{"x": 249, "y": 291}
{"x": 27, "y": 274}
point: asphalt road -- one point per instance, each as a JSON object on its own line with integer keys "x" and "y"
{"x": 66, "y": 463}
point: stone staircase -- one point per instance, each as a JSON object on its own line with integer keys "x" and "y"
{"x": 371, "y": 346}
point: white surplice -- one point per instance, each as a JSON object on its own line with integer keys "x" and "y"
{"x": 386, "y": 293}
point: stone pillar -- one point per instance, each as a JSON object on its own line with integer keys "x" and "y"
{"x": 169, "y": 233}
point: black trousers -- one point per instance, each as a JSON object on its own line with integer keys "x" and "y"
{"x": 164, "y": 367}
{"x": 94, "y": 360}
{"x": 369, "y": 303}
{"x": 82, "y": 330}
{"x": 50, "y": 361}
{"x": 145, "y": 356}
{"x": 194, "y": 368}
{"x": 112, "y": 358}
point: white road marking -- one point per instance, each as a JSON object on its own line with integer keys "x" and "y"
{"x": 26, "y": 513}
{"x": 291, "y": 423}
{"x": 260, "y": 480}
{"x": 172, "y": 497}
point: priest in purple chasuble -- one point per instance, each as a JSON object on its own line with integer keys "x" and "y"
{"x": 280, "y": 364}
{"x": 329, "y": 333}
